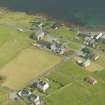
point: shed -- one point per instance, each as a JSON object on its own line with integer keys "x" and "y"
{"x": 34, "y": 99}
{"x": 91, "y": 80}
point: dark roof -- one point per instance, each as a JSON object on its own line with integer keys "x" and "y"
{"x": 42, "y": 83}
{"x": 45, "y": 43}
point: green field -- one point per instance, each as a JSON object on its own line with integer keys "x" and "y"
{"x": 18, "y": 59}
{"x": 26, "y": 66}
{"x": 71, "y": 89}
{"x": 20, "y": 63}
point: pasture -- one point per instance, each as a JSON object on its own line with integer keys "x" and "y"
{"x": 69, "y": 88}
{"x": 18, "y": 60}
{"x": 26, "y": 66}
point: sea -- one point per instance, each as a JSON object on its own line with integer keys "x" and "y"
{"x": 88, "y": 13}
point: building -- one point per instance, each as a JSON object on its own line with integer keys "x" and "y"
{"x": 42, "y": 85}
{"x": 99, "y": 36}
{"x": 86, "y": 63}
{"x": 35, "y": 99}
{"x": 24, "y": 93}
{"x": 90, "y": 80}
{"x": 40, "y": 35}
{"x": 58, "y": 48}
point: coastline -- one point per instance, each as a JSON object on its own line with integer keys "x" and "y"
{"x": 72, "y": 25}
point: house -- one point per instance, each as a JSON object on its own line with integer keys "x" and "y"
{"x": 42, "y": 85}
{"x": 24, "y": 93}
{"x": 86, "y": 63}
{"x": 35, "y": 99}
{"x": 99, "y": 36}
{"x": 40, "y": 35}
{"x": 90, "y": 80}
{"x": 58, "y": 48}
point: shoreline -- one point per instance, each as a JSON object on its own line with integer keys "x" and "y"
{"x": 68, "y": 24}
{"x": 71, "y": 24}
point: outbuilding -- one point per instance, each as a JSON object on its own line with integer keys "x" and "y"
{"x": 35, "y": 99}
{"x": 91, "y": 80}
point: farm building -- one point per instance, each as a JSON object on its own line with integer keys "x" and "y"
{"x": 90, "y": 80}
{"x": 34, "y": 99}
{"x": 42, "y": 85}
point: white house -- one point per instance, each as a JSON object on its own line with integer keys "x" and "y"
{"x": 35, "y": 99}
{"x": 86, "y": 63}
{"x": 99, "y": 36}
{"x": 42, "y": 85}
{"x": 40, "y": 35}
{"x": 57, "y": 48}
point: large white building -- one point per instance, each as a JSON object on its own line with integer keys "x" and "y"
{"x": 43, "y": 86}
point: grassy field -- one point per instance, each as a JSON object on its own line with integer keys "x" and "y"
{"x": 20, "y": 63}
{"x": 26, "y": 66}
{"x": 16, "y": 18}
{"x": 69, "y": 88}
